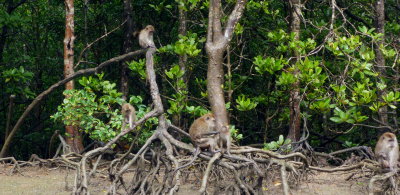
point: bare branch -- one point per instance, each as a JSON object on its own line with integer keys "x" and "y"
{"x": 234, "y": 18}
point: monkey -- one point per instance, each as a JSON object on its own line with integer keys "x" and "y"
{"x": 146, "y": 37}
{"x": 225, "y": 139}
{"x": 208, "y": 141}
{"x": 387, "y": 153}
{"x": 128, "y": 114}
{"x": 204, "y": 135}
{"x": 201, "y": 130}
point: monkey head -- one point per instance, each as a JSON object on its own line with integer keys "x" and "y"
{"x": 390, "y": 139}
{"x": 150, "y": 28}
{"x": 210, "y": 120}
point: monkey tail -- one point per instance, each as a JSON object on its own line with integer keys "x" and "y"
{"x": 136, "y": 33}
{"x": 195, "y": 156}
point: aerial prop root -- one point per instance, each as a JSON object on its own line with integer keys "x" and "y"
{"x": 35, "y": 160}
{"x": 81, "y": 170}
{"x": 15, "y": 163}
{"x": 382, "y": 177}
{"x": 251, "y": 158}
{"x": 365, "y": 164}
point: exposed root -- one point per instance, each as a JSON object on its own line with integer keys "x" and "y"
{"x": 16, "y": 166}
{"x": 207, "y": 172}
{"x": 374, "y": 167}
{"x": 272, "y": 154}
{"x": 382, "y": 177}
{"x": 195, "y": 156}
{"x": 285, "y": 184}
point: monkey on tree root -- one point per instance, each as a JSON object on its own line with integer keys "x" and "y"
{"x": 225, "y": 140}
{"x": 387, "y": 153}
{"x": 204, "y": 135}
{"x": 146, "y": 37}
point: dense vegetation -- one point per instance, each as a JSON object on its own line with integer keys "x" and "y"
{"x": 344, "y": 66}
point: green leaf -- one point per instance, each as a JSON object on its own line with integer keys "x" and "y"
{"x": 336, "y": 119}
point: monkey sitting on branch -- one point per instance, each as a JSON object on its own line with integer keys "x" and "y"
{"x": 204, "y": 135}
{"x": 146, "y": 37}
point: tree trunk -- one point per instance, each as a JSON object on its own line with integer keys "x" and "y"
{"x": 217, "y": 42}
{"x": 73, "y": 139}
{"x": 215, "y": 75}
{"x": 9, "y": 115}
{"x": 128, "y": 42}
{"x": 380, "y": 60}
{"x": 294, "y": 101}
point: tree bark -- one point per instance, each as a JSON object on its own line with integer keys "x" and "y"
{"x": 74, "y": 138}
{"x": 127, "y": 47}
{"x": 380, "y": 60}
{"x": 9, "y": 114}
{"x": 217, "y": 42}
{"x": 294, "y": 101}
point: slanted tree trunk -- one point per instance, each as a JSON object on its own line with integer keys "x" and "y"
{"x": 217, "y": 42}
{"x": 74, "y": 138}
{"x": 294, "y": 101}
{"x": 128, "y": 42}
{"x": 380, "y": 60}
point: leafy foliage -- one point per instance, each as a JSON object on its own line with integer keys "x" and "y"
{"x": 94, "y": 109}
{"x": 17, "y": 80}
{"x": 185, "y": 45}
{"x": 245, "y": 104}
{"x": 275, "y": 145}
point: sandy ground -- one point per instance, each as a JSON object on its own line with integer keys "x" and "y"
{"x": 44, "y": 181}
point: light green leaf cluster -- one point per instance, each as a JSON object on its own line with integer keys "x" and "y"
{"x": 138, "y": 67}
{"x": 245, "y": 104}
{"x": 185, "y": 45}
{"x": 275, "y": 145}
{"x": 95, "y": 109}
{"x": 17, "y": 80}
